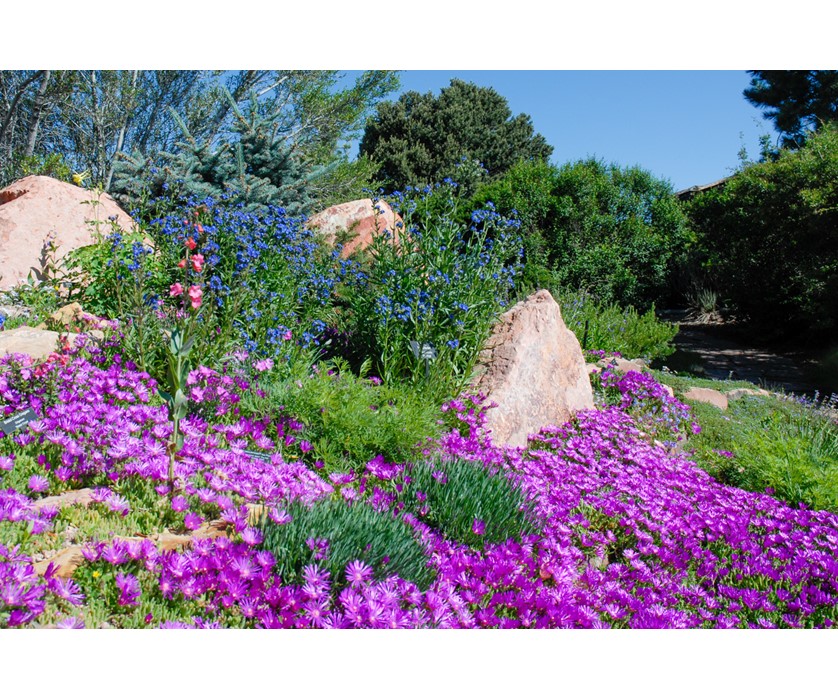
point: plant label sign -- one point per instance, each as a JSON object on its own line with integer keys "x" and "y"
{"x": 18, "y": 421}
{"x": 261, "y": 456}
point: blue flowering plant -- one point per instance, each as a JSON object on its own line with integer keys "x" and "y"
{"x": 432, "y": 288}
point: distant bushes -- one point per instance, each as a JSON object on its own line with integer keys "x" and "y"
{"x": 768, "y": 239}
{"x": 611, "y": 231}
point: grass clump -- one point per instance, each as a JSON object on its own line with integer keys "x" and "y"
{"x": 335, "y": 533}
{"x": 467, "y": 503}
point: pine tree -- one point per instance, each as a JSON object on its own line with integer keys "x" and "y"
{"x": 797, "y": 101}
{"x": 421, "y": 139}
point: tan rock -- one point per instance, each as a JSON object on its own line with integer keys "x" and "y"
{"x": 36, "y": 207}
{"x": 354, "y": 224}
{"x": 82, "y": 497}
{"x": 532, "y": 366}
{"x": 37, "y": 343}
{"x": 711, "y": 396}
{"x": 67, "y": 560}
{"x": 624, "y": 366}
{"x": 736, "y": 394}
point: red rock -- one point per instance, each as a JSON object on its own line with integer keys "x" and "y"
{"x": 533, "y": 368}
{"x": 354, "y": 224}
{"x": 33, "y": 208}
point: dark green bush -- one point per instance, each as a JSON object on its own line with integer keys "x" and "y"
{"x": 768, "y": 239}
{"x": 353, "y": 531}
{"x": 612, "y": 231}
{"x": 468, "y": 504}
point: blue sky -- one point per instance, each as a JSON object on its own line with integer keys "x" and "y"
{"x": 684, "y": 126}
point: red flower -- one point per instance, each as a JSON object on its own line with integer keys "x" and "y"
{"x": 197, "y": 262}
{"x": 190, "y": 243}
{"x": 182, "y": 264}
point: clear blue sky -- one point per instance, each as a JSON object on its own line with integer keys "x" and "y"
{"x": 683, "y": 126}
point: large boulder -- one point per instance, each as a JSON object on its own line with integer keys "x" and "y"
{"x": 36, "y": 207}
{"x": 354, "y": 223}
{"x": 532, "y": 366}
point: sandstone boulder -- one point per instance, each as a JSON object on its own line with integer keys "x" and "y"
{"x": 354, "y": 223}
{"x": 711, "y": 396}
{"x": 533, "y": 368}
{"x": 36, "y": 207}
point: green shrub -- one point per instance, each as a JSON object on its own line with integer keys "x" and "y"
{"x": 608, "y": 327}
{"x": 352, "y": 531}
{"x": 424, "y": 307}
{"x": 467, "y": 503}
{"x": 351, "y": 419}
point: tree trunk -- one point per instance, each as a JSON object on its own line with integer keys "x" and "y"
{"x": 36, "y": 114}
{"x": 129, "y": 108}
{"x": 18, "y": 95}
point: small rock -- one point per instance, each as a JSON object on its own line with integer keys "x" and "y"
{"x": 711, "y": 396}
{"x": 735, "y": 394}
{"x": 68, "y": 560}
{"x": 68, "y": 498}
{"x": 624, "y": 366}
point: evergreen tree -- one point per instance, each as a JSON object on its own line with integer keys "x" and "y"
{"x": 797, "y": 101}
{"x": 282, "y": 145}
{"x": 421, "y": 139}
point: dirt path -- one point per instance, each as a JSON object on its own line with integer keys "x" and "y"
{"x": 707, "y": 350}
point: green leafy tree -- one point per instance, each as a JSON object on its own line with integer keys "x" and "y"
{"x": 769, "y": 238}
{"x": 797, "y": 101}
{"x": 612, "y": 231}
{"x": 465, "y": 133}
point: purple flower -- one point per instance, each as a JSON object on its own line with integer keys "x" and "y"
{"x": 192, "y": 521}
{"x": 129, "y": 589}
{"x": 38, "y": 483}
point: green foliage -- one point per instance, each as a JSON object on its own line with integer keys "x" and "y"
{"x": 613, "y": 329}
{"x": 51, "y": 165}
{"x": 467, "y": 503}
{"x": 351, "y": 419}
{"x": 797, "y": 101}
{"x": 421, "y": 139}
{"x": 353, "y": 532}
{"x": 768, "y": 239}
{"x": 775, "y": 443}
{"x": 614, "y": 232}
{"x": 425, "y": 305}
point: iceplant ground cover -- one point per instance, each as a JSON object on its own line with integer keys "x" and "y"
{"x": 630, "y": 532}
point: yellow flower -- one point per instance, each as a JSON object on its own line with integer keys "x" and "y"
{"x": 79, "y": 178}
{"x": 96, "y": 574}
